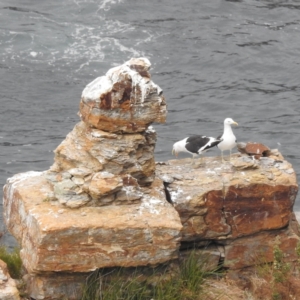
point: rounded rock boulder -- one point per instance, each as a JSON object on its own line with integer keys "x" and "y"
{"x": 124, "y": 100}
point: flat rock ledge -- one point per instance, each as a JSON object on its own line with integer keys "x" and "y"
{"x": 60, "y": 239}
{"x": 244, "y": 207}
{"x": 226, "y": 201}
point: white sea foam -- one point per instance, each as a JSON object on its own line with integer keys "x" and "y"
{"x": 33, "y": 54}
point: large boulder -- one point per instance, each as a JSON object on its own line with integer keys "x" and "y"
{"x": 57, "y": 238}
{"x": 259, "y": 248}
{"x": 225, "y": 201}
{"x": 123, "y": 100}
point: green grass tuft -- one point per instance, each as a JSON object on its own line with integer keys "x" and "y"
{"x": 184, "y": 283}
{"x": 13, "y": 261}
{"x": 114, "y": 285}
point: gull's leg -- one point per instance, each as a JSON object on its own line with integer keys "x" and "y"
{"x": 201, "y": 158}
{"x": 192, "y": 162}
{"x": 230, "y": 155}
{"x": 197, "y": 163}
{"x": 222, "y": 156}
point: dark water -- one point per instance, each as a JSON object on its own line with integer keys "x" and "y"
{"x": 213, "y": 59}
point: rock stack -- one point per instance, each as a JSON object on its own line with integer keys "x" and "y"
{"x": 109, "y": 155}
{"x": 105, "y": 203}
{"x": 99, "y": 205}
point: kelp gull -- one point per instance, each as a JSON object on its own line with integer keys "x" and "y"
{"x": 195, "y": 145}
{"x": 228, "y": 138}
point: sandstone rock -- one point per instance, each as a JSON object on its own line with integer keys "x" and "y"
{"x": 219, "y": 201}
{"x": 69, "y": 193}
{"x": 245, "y": 163}
{"x": 253, "y": 149}
{"x": 294, "y": 224}
{"x": 86, "y": 157}
{"x": 124, "y": 100}
{"x": 95, "y": 147}
{"x": 55, "y": 286}
{"x": 8, "y": 289}
{"x": 103, "y": 184}
{"x": 259, "y": 248}
{"x": 92, "y": 237}
{"x": 105, "y": 203}
{"x": 127, "y": 195}
{"x": 93, "y": 150}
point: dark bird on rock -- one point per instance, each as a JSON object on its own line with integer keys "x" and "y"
{"x": 195, "y": 145}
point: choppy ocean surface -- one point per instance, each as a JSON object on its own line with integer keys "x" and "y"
{"x": 213, "y": 59}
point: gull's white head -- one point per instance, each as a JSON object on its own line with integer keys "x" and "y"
{"x": 229, "y": 121}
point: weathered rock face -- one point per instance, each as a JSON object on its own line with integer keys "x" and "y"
{"x": 259, "y": 248}
{"x": 110, "y": 154}
{"x": 8, "y": 289}
{"x": 82, "y": 240}
{"x": 124, "y": 100}
{"x": 105, "y": 203}
{"x": 97, "y": 150}
{"x": 56, "y": 286}
{"x": 99, "y": 205}
{"x": 93, "y": 167}
{"x": 226, "y": 201}
{"x": 229, "y": 203}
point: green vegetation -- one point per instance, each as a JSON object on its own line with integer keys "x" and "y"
{"x": 278, "y": 279}
{"x": 188, "y": 279}
{"x": 298, "y": 251}
{"x": 183, "y": 283}
{"x": 280, "y": 273}
{"x": 185, "y": 279}
{"x": 281, "y": 269}
{"x": 13, "y": 261}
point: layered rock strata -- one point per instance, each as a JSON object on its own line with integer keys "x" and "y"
{"x": 58, "y": 286}
{"x": 93, "y": 167}
{"x": 99, "y": 205}
{"x": 243, "y": 206}
{"x": 105, "y": 203}
{"x": 106, "y": 168}
{"x": 108, "y": 156}
{"x": 221, "y": 201}
{"x": 53, "y": 238}
{"x": 8, "y": 289}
